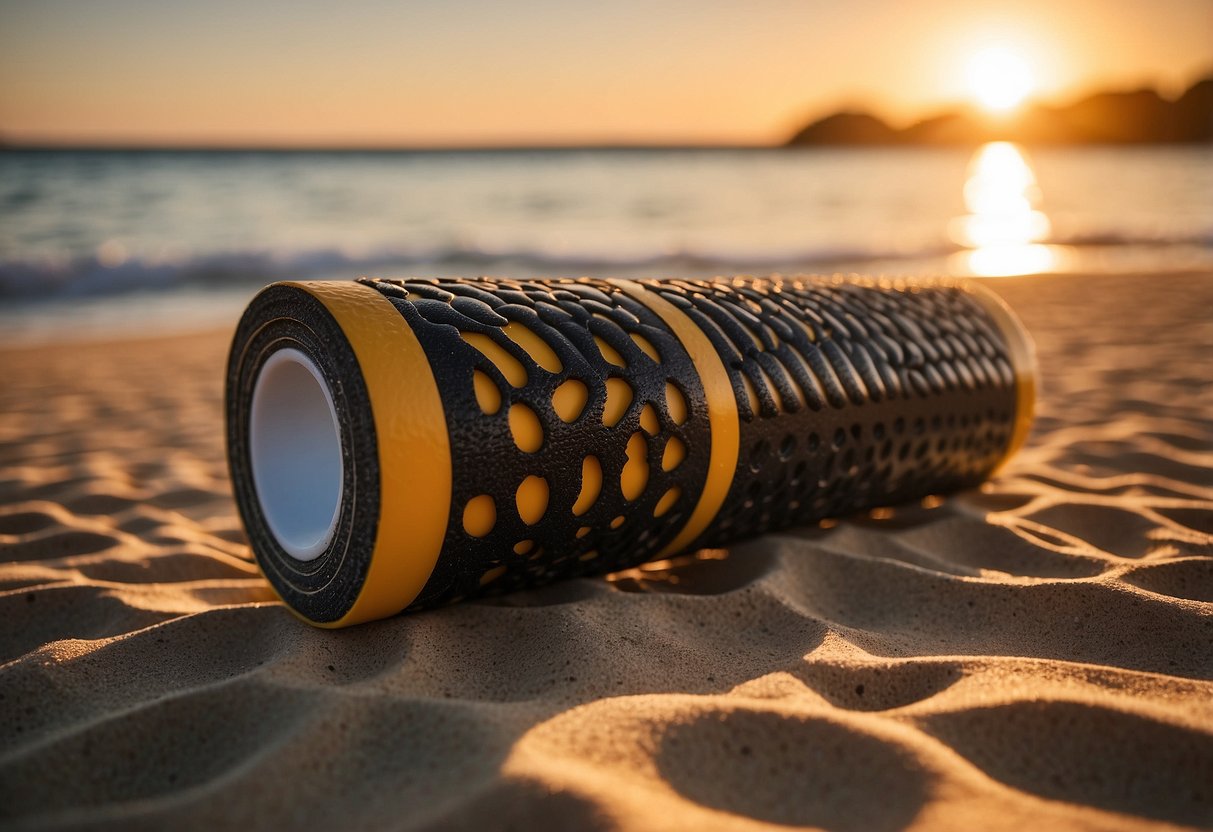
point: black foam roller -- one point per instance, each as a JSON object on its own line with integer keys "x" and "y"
{"x": 402, "y": 444}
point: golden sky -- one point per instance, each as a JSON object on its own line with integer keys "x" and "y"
{"x": 473, "y": 73}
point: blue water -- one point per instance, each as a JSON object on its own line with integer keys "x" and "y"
{"x": 146, "y": 238}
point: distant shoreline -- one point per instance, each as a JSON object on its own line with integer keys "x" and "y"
{"x": 1126, "y": 117}
{"x": 1108, "y": 118}
{"x": 522, "y": 150}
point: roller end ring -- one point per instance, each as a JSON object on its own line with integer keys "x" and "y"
{"x": 1022, "y": 351}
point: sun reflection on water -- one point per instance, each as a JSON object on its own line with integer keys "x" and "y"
{"x": 1004, "y": 228}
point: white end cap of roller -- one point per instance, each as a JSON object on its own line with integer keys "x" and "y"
{"x": 295, "y": 452}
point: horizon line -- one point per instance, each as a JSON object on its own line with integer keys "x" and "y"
{"x": 129, "y": 145}
{"x": 132, "y": 146}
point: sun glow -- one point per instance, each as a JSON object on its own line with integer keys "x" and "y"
{"x": 999, "y": 78}
{"x": 1004, "y": 229}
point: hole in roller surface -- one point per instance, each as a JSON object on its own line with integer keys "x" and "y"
{"x": 295, "y": 452}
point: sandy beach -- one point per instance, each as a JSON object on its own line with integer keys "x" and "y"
{"x": 1036, "y": 653}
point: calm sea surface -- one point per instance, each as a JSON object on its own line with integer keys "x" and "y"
{"x": 164, "y": 239}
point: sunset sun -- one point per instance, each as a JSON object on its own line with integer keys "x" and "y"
{"x": 999, "y": 79}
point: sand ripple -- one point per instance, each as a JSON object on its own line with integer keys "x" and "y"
{"x": 1037, "y": 651}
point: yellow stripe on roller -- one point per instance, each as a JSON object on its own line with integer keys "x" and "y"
{"x": 722, "y": 411}
{"x": 414, "y": 448}
{"x": 1023, "y": 360}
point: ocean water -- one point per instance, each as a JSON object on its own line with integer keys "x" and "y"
{"x": 145, "y": 241}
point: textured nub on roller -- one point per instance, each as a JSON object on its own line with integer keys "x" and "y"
{"x": 295, "y": 451}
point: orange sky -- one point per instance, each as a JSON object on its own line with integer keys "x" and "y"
{"x": 426, "y": 73}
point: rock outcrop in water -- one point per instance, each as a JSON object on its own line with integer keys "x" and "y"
{"x": 1132, "y": 117}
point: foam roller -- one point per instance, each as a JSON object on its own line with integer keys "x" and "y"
{"x": 396, "y": 445}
